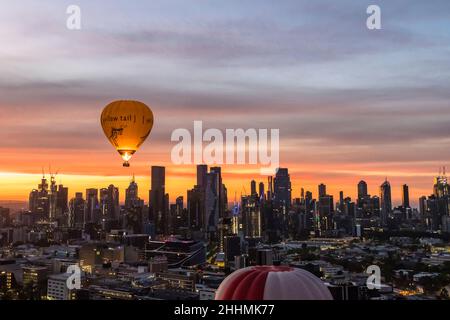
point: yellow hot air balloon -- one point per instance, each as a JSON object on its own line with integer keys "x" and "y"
{"x": 126, "y": 124}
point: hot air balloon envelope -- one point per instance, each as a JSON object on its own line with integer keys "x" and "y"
{"x": 126, "y": 124}
{"x": 272, "y": 283}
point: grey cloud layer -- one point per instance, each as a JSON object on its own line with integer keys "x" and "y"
{"x": 381, "y": 89}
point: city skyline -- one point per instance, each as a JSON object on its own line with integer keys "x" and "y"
{"x": 145, "y": 185}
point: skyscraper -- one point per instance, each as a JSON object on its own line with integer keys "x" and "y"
{"x": 232, "y": 248}
{"x": 423, "y": 205}
{"x": 195, "y": 210}
{"x": 341, "y": 201}
{"x": 5, "y": 218}
{"x": 206, "y": 202}
{"x": 251, "y": 216}
{"x": 202, "y": 170}
{"x": 386, "y": 202}
{"x": 92, "y": 206}
{"x": 405, "y": 196}
{"x": 438, "y": 204}
{"x": 76, "y": 211}
{"x": 52, "y": 199}
{"x": 253, "y": 188}
{"x": 364, "y": 203}
{"x": 223, "y": 198}
{"x": 132, "y": 195}
{"x": 62, "y": 199}
{"x": 261, "y": 190}
{"x": 196, "y": 203}
{"x": 33, "y": 200}
{"x": 132, "y": 217}
{"x": 158, "y": 206}
{"x": 362, "y": 189}
{"x": 326, "y": 210}
{"x": 270, "y": 188}
{"x": 109, "y": 203}
{"x": 177, "y": 219}
{"x": 441, "y": 185}
{"x": 282, "y": 190}
{"x": 212, "y": 200}
{"x": 39, "y": 200}
{"x": 322, "y": 190}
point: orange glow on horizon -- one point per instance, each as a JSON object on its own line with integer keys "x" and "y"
{"x": 179, "y": 179}
{"x": 81, "y": 169}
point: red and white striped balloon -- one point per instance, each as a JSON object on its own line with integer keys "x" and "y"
{"x": 272, "y": 283}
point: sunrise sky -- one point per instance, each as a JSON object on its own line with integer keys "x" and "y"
{"x": 350, "y": 103}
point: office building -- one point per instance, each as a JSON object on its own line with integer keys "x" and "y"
{"x": 386, "y": 202}
{"x": 159, "y": 205}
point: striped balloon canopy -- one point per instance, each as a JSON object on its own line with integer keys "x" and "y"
{"x": 272, "y": 283}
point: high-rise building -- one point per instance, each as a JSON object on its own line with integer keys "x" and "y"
{"x": 232, "y": 248}
{"x": 326, "y": 210}
{"x": 39, "y": 201}
{"x": 437, "y": 206}
{"x": 362, "y": 189}
{"x": 366, "y": 206}
{"x": 223, "y": 198}
{"x": 76, "y": 211}
{"x": 5, "y": 219}
{"x": 423, "y": 205}
{"x": 349, "y": 207}
{"x": 270, "y": 188}
{"x": 62, "y": 199}
{"x": 133, "y": 217}
{"x": 322, "y": 190}
{"x": 405, "y": 196}
{"x": 132, "y": 195}
{"x": 386, "y": 202}
{"x": 195, "y": 209}
{"x": 52, "y": 199}
{"x": 177, "y": 220}
{"x": 92, "y": 214}
{"x": 261, "y": 190}
{"x": 341, "y": 201}
{"x": 282, "y": 190}
{"x": 109, "y": 203}
{"x": 202, "y": 170}
{"x": 441, "y": 187}
{"x": 251, "y": 216}
{"x": 253, "y": 188}
{"x": 206, "y": 202}
{"x": 33, "y": 200}
{"x": 158, "y": 207}
{"x": 212, "y": 201}
{"x": 196, "y": 202}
